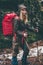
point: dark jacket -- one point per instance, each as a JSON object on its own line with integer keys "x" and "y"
{"x": 19, "y": 28}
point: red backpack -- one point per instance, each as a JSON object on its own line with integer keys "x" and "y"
{"x": 7, "y": 24}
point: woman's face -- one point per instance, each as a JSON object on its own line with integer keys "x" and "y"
{"x": 24, "y": 13}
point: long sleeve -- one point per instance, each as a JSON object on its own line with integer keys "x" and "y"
{"x": 29, "y": 27}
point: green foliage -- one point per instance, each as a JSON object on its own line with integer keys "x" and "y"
{"x": 32, "y": 37}
{"x": 5, "y": 42}
{"x": 35, "y": 15}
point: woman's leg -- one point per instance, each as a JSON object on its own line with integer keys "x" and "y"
{"x": 24, "y": 58}
{"x": 15, "y": 52}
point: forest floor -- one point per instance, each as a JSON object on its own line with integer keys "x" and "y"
{"x": 33, "y": 57}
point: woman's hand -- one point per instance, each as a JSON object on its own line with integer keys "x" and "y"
{"x": 25, "y": 34}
